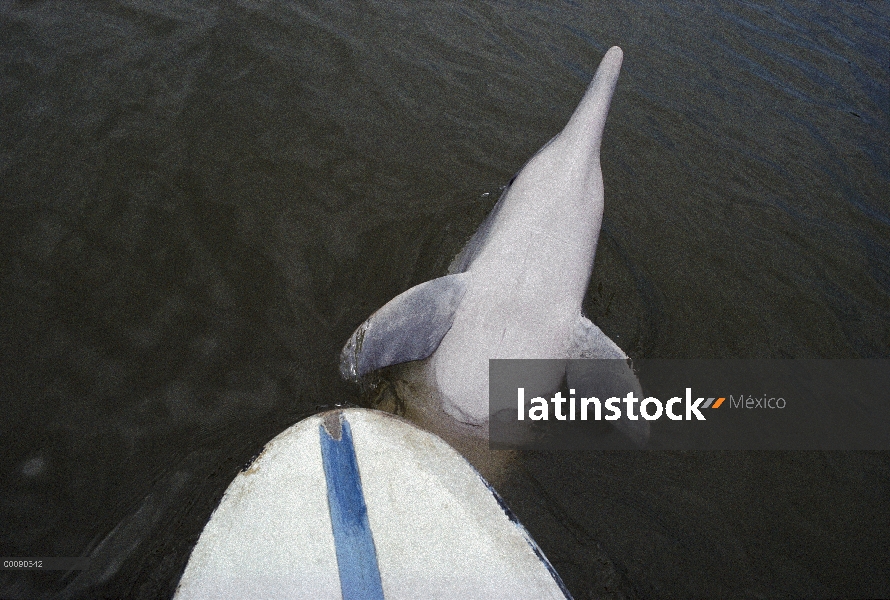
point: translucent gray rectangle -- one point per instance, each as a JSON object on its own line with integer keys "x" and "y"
{"x": 764, "y": 404}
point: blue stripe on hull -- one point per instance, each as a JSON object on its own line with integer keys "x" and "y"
{"x": 356, "y": 555}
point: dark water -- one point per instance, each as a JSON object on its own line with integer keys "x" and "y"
{"x": 200, "y": 201}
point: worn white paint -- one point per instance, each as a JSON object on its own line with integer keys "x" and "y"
{"x": 438, "y": 530}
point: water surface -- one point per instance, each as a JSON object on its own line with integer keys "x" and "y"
{"x": 199, "y": 202}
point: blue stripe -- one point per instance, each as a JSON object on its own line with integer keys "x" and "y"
{"x": 356, "y": 555}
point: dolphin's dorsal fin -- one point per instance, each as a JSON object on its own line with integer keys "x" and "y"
{"x": 408, "y": 327}
{"x": 610, "y": 376}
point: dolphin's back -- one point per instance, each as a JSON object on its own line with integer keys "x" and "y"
{"x": 585, "y": 128}
{"x": 465, "y": 258}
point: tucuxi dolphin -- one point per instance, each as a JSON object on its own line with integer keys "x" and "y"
{"x": 515, "y": 290}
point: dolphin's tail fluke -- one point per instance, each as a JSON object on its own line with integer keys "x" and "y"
{"x": 587, "y": 122}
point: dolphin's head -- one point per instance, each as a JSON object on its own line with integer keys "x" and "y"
{"x": 550, "y": 215}
{"x": 585, "y": 127}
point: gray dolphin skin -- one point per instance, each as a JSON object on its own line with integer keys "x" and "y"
{"x": 515, "y": 291}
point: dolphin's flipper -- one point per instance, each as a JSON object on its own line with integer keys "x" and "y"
{"x": 605, "y": 378}
{"x": 409, "y": 327}
{"x": 589, "y": 341}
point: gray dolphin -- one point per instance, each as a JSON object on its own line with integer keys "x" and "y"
{"x": 515, "y": 291}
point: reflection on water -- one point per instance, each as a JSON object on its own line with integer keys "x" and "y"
{"x": 201, "y": 202}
